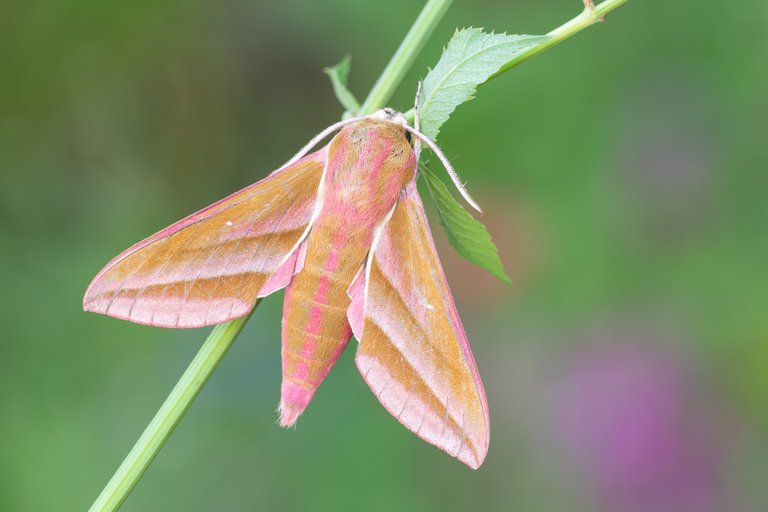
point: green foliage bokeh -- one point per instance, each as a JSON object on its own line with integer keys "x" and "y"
{"x": 623, "y": 176}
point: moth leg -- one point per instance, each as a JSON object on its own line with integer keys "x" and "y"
{"x": 416, "y": 120}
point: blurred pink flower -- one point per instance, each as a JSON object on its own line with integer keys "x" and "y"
{"x": 626, "y": 412}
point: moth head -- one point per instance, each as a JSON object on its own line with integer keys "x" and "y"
{"x": 391, "y": 115}
{"x": 398, "y": 118}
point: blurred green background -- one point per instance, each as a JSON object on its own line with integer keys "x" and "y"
{"x": 624, "y": 178}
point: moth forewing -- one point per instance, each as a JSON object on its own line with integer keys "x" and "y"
{"x": 413, "y": 352}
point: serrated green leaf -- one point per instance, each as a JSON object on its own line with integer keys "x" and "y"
{"x": 339, "y": 75}
{"x": 471, "y": 57}
{"x": 468, "y": 236}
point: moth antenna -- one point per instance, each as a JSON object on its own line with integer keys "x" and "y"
{"x": 448, "y": 167}
{"x": 320, "y": 136}
{"x": 417, "y": 120}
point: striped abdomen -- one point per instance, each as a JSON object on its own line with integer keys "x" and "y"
{"x": 315, "y": 327}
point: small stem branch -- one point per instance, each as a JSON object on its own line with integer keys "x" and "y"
{"x": 172, "y": 410}
{"x": 401, "y": 61}
{"x": 587, "y": 18}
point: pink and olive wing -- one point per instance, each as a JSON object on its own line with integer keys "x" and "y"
{"x": 413, "y": 351}
{"x": 211, "y": 266}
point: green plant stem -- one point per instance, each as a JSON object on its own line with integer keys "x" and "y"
{"x": 169, "y": 414}
{"x": 587, "y": 18}
{"x": 223, "y": 335}
{"x": 403, "y": 58}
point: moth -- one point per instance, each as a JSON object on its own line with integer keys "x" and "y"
{"x": 343, "y": 230}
